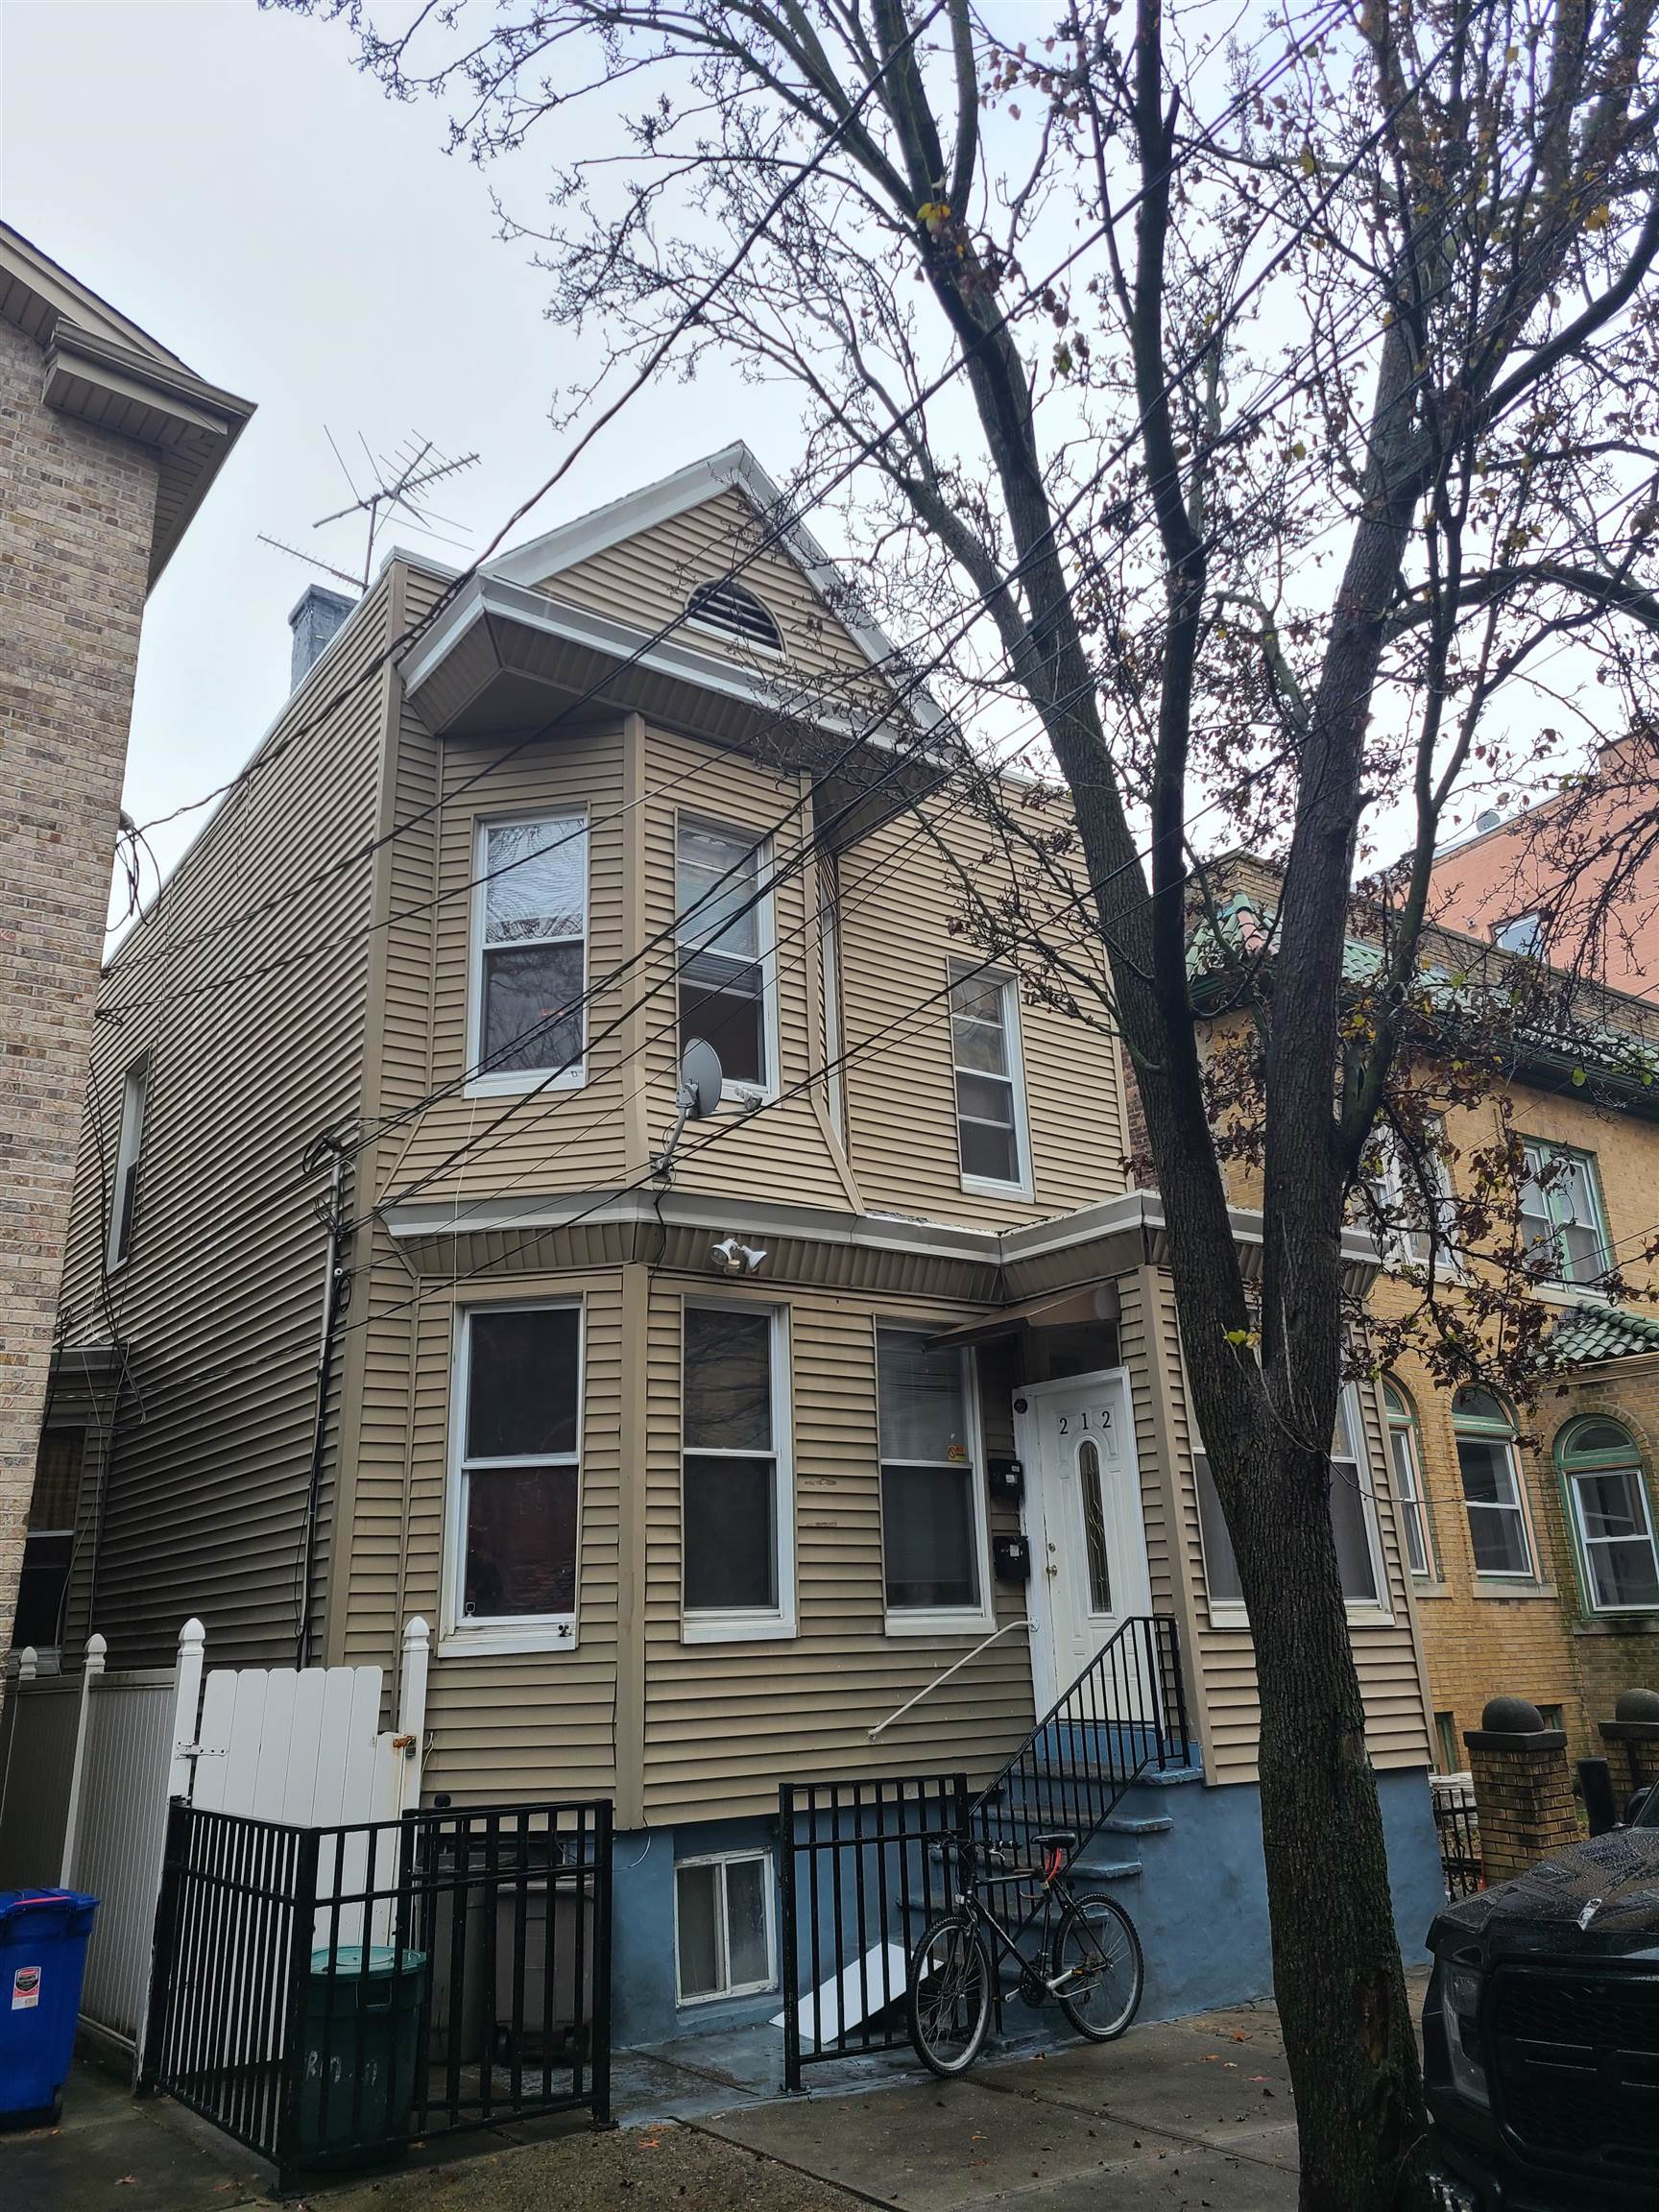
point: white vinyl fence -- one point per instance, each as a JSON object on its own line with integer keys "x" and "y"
{"x": 91, "y": 1759}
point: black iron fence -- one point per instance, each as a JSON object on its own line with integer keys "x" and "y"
{"x": 1459, "y": 1829}
{"x": 860, "y": 1875}
{"x": 325, "y": 1995}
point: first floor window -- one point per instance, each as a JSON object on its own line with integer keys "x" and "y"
{"x": 1561, "y": 1223}
{"x": 1489, "y": 1464}
{"x": 1407, "y": 1465}
{"x": 1446, "y": 1743}
{"x": 733, "y": 1514}
{"x": 519, "y": 1477}
{"x": 984, "y": 1052}
{"x": 1607, "y": 1492}
{"x": 49, "y": 1540}
{"x": 722, "y": 928}
{"x": 532, "y": 937}
{"x": 929, "y": 1490}
{"x": 1353, "y": 1517}
{"x": 723, "y": 1926}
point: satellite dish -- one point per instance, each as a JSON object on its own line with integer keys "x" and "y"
{"x": 702, "y": 1079}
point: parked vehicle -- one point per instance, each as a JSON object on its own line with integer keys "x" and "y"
{"x": 1541, "y": 2032}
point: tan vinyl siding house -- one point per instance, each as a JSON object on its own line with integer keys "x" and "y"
{"x": 681, "y": 1535}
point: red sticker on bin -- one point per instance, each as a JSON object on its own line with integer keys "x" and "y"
{"x": 25, "y": 1988}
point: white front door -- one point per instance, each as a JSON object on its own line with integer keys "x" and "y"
{"x": 1088, "y": 1539}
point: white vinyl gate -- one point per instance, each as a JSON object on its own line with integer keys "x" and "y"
{"x": 89, "y": 1761}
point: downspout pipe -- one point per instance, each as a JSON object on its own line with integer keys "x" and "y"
{"x": 330, "y": 1213}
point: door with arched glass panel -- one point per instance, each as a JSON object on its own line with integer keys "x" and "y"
{"x": 1088, "y": 1570}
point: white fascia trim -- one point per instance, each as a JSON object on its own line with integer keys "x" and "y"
{"x": 734, "y": 468}
{"x": 1145, "y": 1209}
{"x": 692, "y": 1210}
{"x": 490, "y": 595}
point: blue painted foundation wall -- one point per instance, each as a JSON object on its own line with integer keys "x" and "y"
{"x": 1199, "y": 1902}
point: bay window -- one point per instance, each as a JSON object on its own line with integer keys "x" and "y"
{"x": 722, "y": 932}
{"x": 736, "y": 1525}
{"x": 514, "y": 1489}
{"x": 933, "y": 1535}
{"x": 530, "y": 954}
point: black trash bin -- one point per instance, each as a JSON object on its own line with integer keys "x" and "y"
{"x": 361, "y": 2037}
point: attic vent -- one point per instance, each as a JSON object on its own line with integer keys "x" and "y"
{"x": 735, "y": 613}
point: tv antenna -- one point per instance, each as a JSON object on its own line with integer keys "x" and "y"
{"x": 400, "y": 483}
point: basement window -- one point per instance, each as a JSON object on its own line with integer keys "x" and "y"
{"x": 723, "y": 1927}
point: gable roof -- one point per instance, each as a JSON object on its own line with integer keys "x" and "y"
{"x": 1594, "y": 1333}
{"x": 733, "y": 469}
{"x": 106, "y": 371}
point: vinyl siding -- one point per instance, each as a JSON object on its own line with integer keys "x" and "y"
{"x": 246, "y": 987}
{"x": 898, "y": 902}
{"x": 530, "y": 1724}
{"x": 647, "y": 579}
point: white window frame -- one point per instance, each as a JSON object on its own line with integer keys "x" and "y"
{"x": 129, "y": 1156}
{"x": 1410, "y": 1497}
{"x": 989, "y": 1186}
{"x": 1362, "y": 1612}
{"x": 750, "y": 1625}
{"x": 1482, "y": 1428}
{"x": 1571, "y": 1477}
{"x": 501, "y": 1633}
{"x": 938, "y": 1619}
{"x": 1545, "y": 1150}
{"x": 830, "y": 974}
{"x": 1402, "y": 1246}
{"x": 510, "y": 1082}
{"x": 1532, "y": 922}
{"x": 723, "y": 1860}
{"x": 735, "y": 1089}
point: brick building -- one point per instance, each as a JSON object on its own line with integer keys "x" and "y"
{"x": 108, "y": 446}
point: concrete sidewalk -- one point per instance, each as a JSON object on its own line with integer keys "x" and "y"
{"x": 1184, "y": 2113}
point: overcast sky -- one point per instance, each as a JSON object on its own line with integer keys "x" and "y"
{"x": 229, "y": 181}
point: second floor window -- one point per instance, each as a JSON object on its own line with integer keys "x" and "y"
{"x": 124, "y": 1198}
{"x": 517, "y": 1481}
{"x": 1489, "y": 1461}
{"x": 930, "y": 1539}
{"x": 531, "y": 934}
{"x": 735, "y": 1538}
{"x": 1561, "y": 1222}
{"x": 1411, "y": 1199}
{"x": 723, "y": 930}
{"x": 990, "y": 1093}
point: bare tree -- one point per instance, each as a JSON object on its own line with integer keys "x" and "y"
{"x": 1281, "y": 390}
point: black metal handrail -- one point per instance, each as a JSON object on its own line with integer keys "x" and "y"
{"x": 1124, "y": 1715}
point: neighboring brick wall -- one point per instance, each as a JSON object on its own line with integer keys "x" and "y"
{"x": 76, "y": 515}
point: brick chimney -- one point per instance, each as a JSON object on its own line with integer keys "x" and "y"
{"x": 318, "y": 613}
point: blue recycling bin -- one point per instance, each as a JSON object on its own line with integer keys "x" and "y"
{"x": 43, "y": 1935}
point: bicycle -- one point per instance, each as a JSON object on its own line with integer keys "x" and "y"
{"x": 1088, "y": 1959}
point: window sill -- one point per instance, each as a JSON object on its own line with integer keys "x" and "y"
{"x": 500, "y": 1643}
{"x": 726, "y": 1996}
{"x": 1632, "y": 1623}
{"x": 1233, "y": 1620}
{"x": 1494, "y": 1586}
{"x": 1425, "y": 1586}
{"x": 1569, "y": 1294}
{"x": 736, "y": 1628}
{"x": 521, "y": 1082}
{"x": 942, "y": 1624}
{"x": 982, "y": 1187}
{"x": 748, "y": 1098}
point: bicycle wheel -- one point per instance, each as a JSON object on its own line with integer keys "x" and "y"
{"x": 949, "y": 1995}
{"x": 1096, "y": 1967}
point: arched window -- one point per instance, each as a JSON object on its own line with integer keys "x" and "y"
{"x": 1490, "y": 1465}
{"x": 1612, "y": 1518}
{"x": 1405, "y": 1459}
{"x": 735, "y": 613}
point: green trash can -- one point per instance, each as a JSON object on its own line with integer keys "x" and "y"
{"x": 361, "y": 2036}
